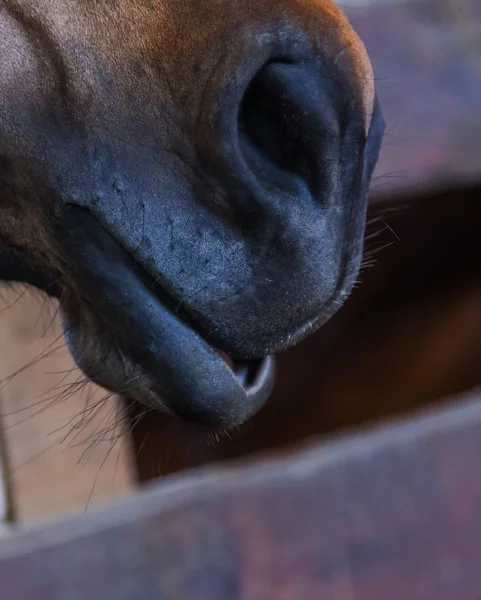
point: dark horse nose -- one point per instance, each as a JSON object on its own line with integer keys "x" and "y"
{"x": 286, "y": 116}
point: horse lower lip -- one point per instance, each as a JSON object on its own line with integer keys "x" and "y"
{"x": 180, "y": 370}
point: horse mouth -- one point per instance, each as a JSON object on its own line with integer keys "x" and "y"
{"x": 128, "y": 336}
{"x": 124, "y": 375}
{"x": 249, "y": 373}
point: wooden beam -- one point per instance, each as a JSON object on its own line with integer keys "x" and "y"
{"x": 62, "y": 456}
{"x": 395, "y": 513}
{"x": 427, "y": 61}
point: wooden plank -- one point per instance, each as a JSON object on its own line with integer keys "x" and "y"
{"x": 47, "y": 432}
{"x": 427, "y": 61}
{"x": 395, "y": 514}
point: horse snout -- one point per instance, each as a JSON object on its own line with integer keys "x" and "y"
{"x": 191, "y": 181}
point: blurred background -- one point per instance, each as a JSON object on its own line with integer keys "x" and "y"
{"x": 408, "y": 337}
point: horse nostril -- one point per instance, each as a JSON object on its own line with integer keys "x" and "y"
{"x": 280, "y": 124}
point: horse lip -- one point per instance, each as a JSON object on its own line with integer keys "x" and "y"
{"x": 256, "y": 390}
{"x": 181, "y": 370}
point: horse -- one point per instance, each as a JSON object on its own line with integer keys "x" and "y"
{"x": 189, "y": 180}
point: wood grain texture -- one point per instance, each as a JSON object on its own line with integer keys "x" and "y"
{"x": 395, "y": 514}
{"x": 57, "y": 462}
